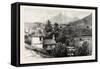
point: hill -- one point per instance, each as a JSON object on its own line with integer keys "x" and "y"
{"x": 86, "y": 21}
{"x": 62, "y": 19}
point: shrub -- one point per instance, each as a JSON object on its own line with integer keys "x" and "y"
{"x": 60, "y": 50}
{"x": 28, "y": 40}
{"x": 82, "y": 51}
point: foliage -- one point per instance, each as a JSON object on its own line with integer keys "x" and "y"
{"x": 28, "y": 39}
{"x": 82, "y": 51}
{"x": 73, "y": 31}
{"x": 60, "y": 50}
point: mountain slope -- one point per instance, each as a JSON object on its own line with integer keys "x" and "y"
{"x": 62, "y": 19}
{"x": 86, "y": 21}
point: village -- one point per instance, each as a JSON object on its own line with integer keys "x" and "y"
{"x": 58, "y": 39}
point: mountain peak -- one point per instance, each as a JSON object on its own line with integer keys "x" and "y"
{"x": 62, "y": 19}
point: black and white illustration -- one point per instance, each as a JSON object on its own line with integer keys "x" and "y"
{"x": 56, "y": 34}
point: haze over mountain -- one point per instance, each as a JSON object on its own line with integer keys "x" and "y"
{"x": 62, "y": 19}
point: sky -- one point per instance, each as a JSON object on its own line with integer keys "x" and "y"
{"x": 32, "y": 14}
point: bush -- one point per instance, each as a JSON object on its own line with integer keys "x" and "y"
{"x": 60, "y": 50}
{"x": 82, "y": 51}
{"x": 85, "y": 50}
{"x": 28, "y": 40}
